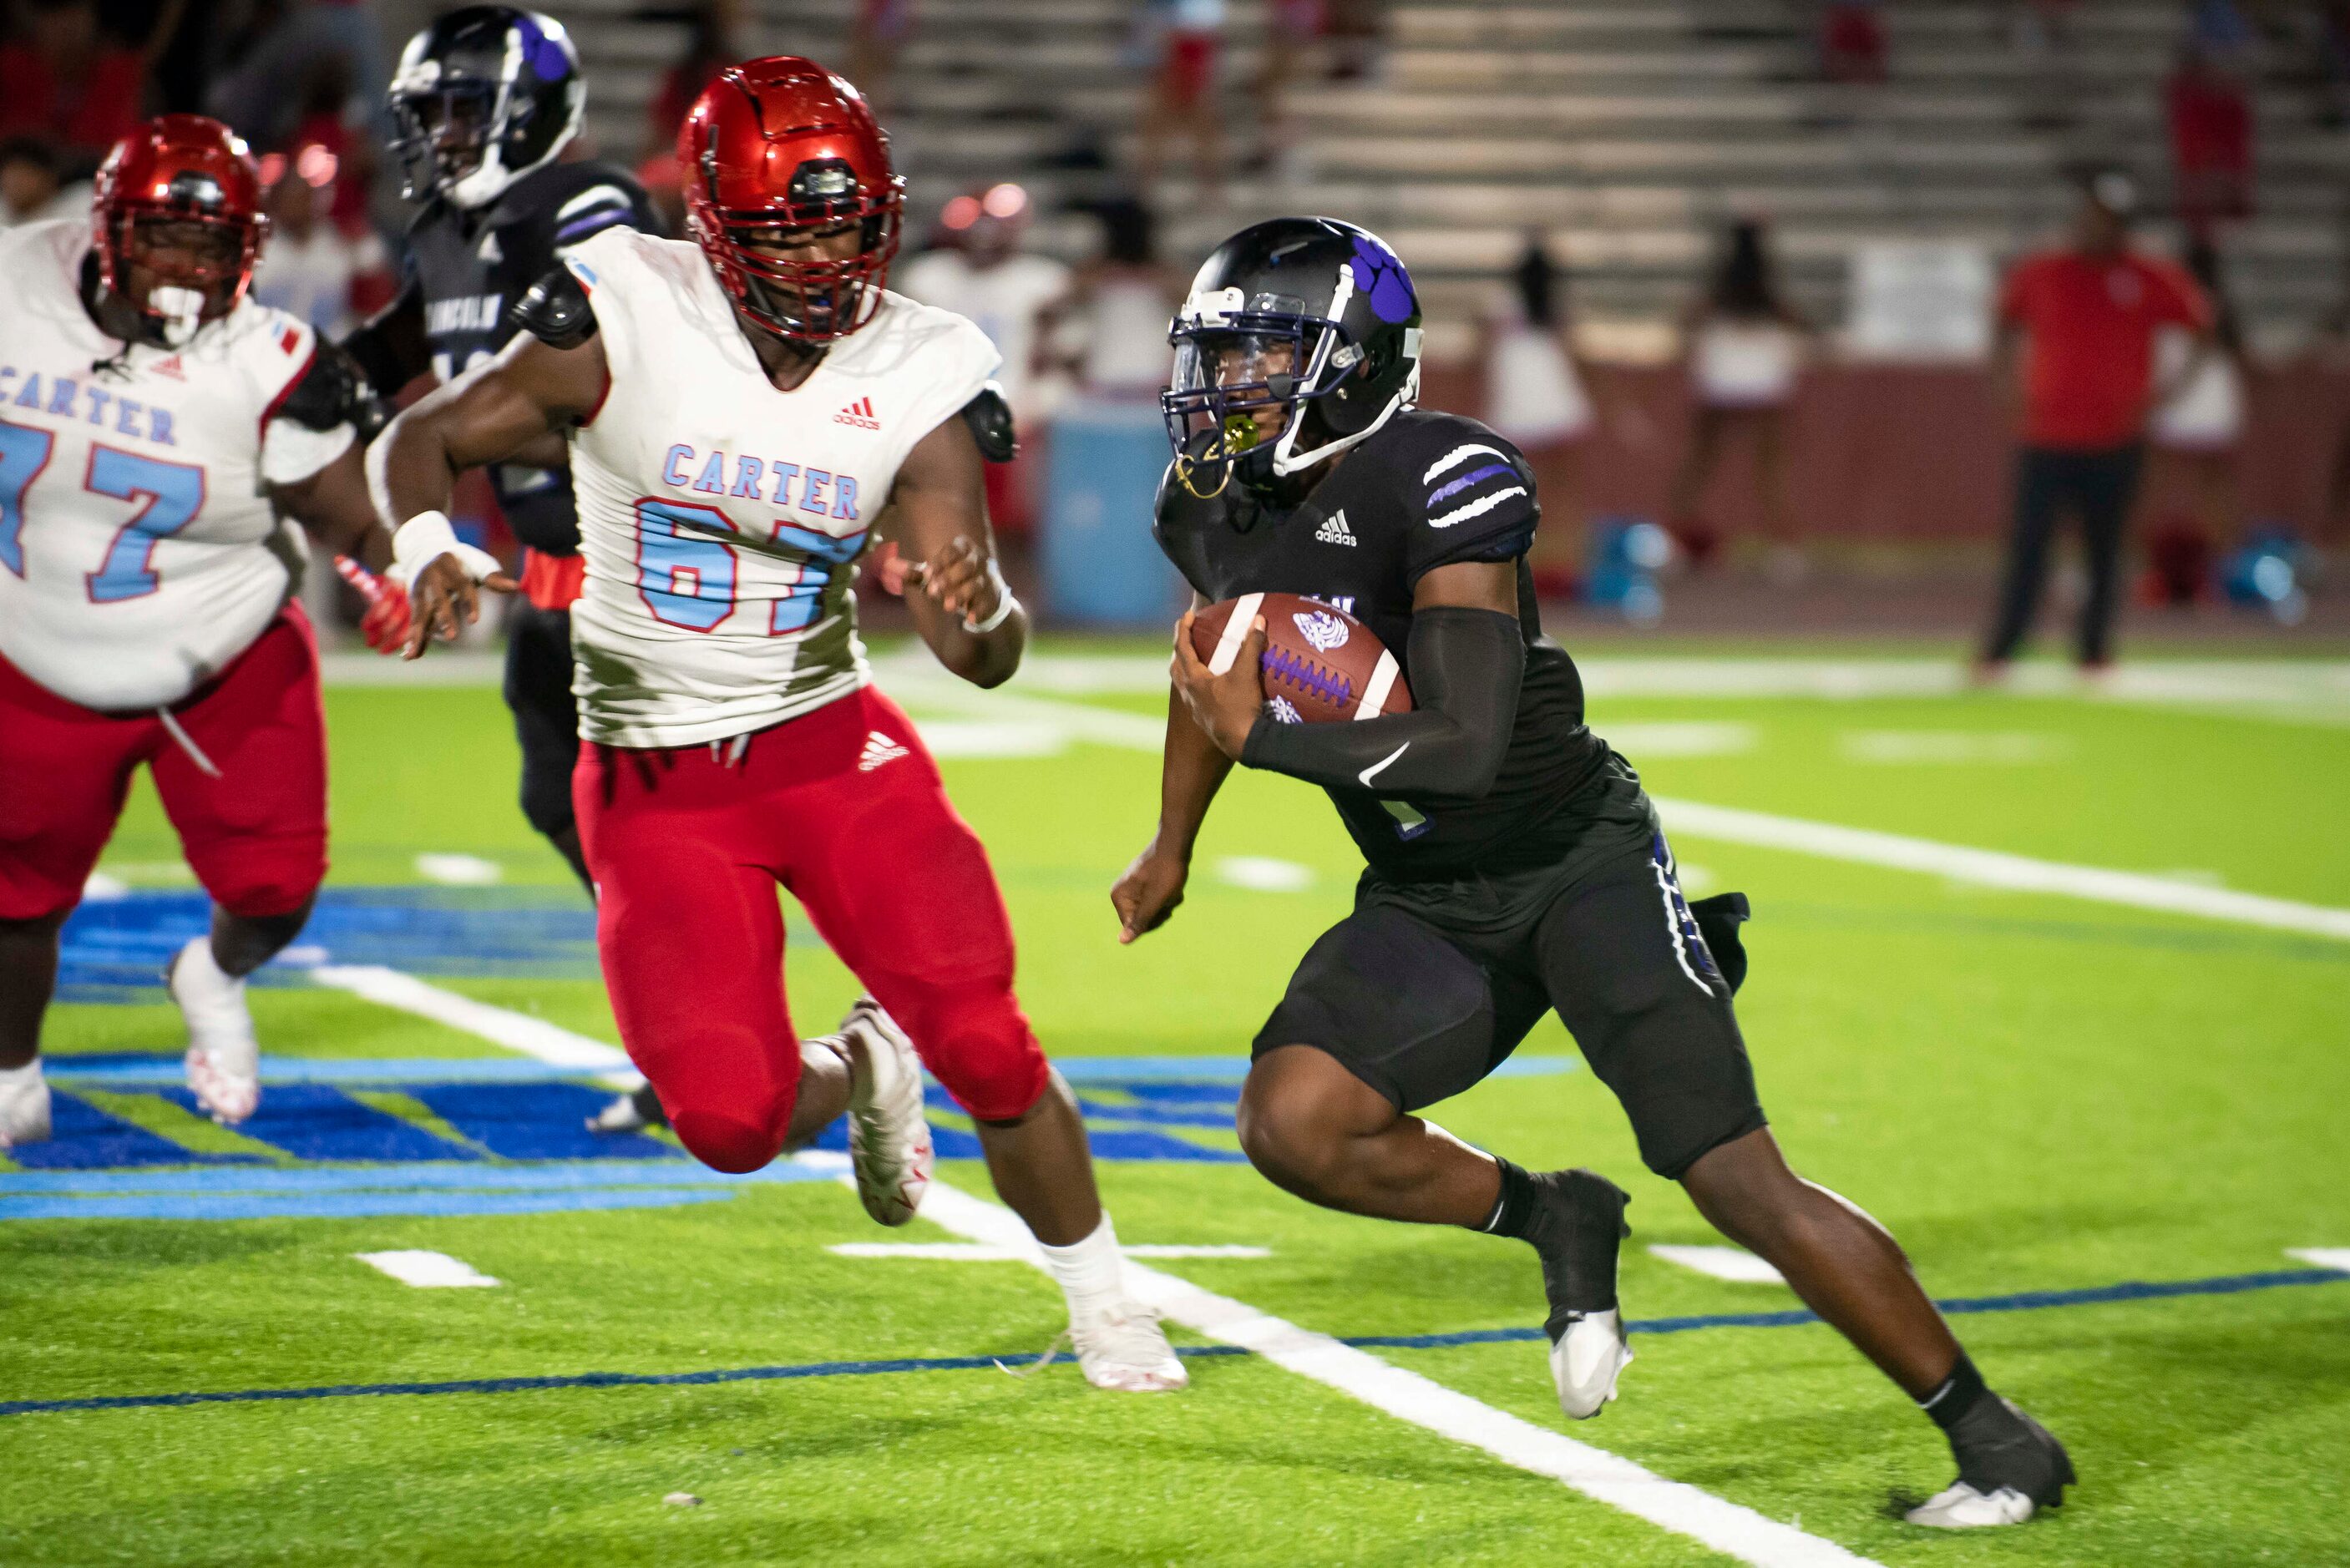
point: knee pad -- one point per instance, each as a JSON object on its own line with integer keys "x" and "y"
{"x": 262, "y": 881}
{"x": 979, "y": 1045}
{"x": 725, "y": 1142}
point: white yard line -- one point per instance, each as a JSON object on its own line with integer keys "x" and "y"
{"x": 427, "y": 1270}
{"x": 533, "y": 1037}
{"x": 1727, "y": 1527}
{"x": 2324, "y": 1257}
{"x": 1735, "y": 1264}
{"x": 1995, "y": 869}
{"x": 982, "y": 1252}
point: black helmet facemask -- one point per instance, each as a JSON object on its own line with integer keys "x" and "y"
{"x": 1267, "y": 383}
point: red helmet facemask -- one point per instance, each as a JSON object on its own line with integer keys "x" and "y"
{"x": 780, "y": 158}
{"x": 178, "y": 224}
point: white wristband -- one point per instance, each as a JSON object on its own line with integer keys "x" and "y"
{"x": 427, "y": 536}
{"x": 1005, "y": 605}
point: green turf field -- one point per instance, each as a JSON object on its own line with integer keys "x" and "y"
{"x": 2037, "y": 1093}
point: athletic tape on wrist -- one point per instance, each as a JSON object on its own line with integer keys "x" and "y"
{"x": 418, "y": 541}
{"x": 1005, "y": 605}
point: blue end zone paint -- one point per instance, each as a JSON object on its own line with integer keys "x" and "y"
{"x": 114, "y": 948}
{"x": 2027, "y": 1301}
{"x": 82, "y": 1134}
{"x": 675, "y": 1171}
{"x": 347, "y": 1205}
{"x": 535, "y": 1121}
{"x": 316, "y": 1121}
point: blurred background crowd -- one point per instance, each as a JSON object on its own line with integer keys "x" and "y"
{"x": 1775, "y": 291}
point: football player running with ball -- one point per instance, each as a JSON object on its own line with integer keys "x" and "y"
{"x": 154, "y": 423}
{"x": 1515, "y": 864}
{"x": 740, "y": 409}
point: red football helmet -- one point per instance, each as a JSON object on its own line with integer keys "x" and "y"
{"x": 782, "y": 144}
{"x": 180, "y": 197}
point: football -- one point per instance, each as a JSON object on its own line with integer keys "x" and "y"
{"x": 1321, "y": 664}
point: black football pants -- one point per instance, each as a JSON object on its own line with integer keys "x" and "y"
{"x": 2096, "y": 486}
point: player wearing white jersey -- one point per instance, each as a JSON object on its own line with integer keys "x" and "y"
{"x": 155, "y": 424}
{"x": 739, "y": 416}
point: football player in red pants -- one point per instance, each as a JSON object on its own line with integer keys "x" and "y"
{"x": 740, "y": 412}
{"x": 154, "y": 421}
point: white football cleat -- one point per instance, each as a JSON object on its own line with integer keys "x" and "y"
{"x": 24, "y": 1107}
{"x": 1125, "y": 1351}
{"x": 888, "y": 1140}
{"x": 1586, "y": 1360}
{"x": 632, "y": 1112}
{"x": 224, "y": 1058}
{"x": 1961, "y": 1507}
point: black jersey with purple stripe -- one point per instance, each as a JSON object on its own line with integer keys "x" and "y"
{"x": 1427, "y": 490}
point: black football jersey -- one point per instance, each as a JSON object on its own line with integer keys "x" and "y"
{"x": 468, "y": 270}
{"x": 1426, "y": 490}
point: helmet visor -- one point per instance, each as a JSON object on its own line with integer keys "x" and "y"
{"x": 813, "y": 281}
{"x": 444, "y": 132}
{"x": 1241, "y": 379}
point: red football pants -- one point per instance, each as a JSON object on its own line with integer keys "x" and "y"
{"x": 254, "y": 827}
{"x": 844, "y": 807}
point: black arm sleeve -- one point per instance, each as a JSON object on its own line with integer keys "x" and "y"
{"x": 389, "y": 349}
{"x": 1466, "y": 665}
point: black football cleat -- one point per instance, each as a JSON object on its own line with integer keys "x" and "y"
{"x": 2010, "y": 1468}
{"x": 1577, "y": 1229}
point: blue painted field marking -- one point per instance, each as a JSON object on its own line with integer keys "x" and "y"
{"x": 2027, "y": 1301}
{"x": 349, "y": 1205}
{"x": 82, "y": 1133}
{"x": 439, "y": 1174}
{"x": 318, "y": 1121}
{"x": 535, "y": 1121}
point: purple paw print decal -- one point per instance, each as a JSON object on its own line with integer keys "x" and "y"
{"x": 1380, "y": 273}
{"x": 545, "y": 56}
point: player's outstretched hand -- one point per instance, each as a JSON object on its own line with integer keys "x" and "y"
{"x": 443, "y": 601}
{"x": 958, "y": 581}
{"x": 1149, "y": 892}
{"x": 1225, "y": 707}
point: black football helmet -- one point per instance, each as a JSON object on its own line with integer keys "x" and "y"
{"x": 1308, "y": 316}
{"x": 481, "y": 97}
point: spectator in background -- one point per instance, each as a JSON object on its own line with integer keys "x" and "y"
{"x": 2042, "y": 31}
{"x": 2084, "y": 318}
{"x": 982, "y": 273}
{"x": 875, "y": 41}
{"x": 1744, "y": 346}
{"x": 32, "y": 184}
{"x": 1851, "y": 42}
{"x": 2210, "y": 113}
{"x": 1109, "y": 332}
{"x": 1182, "y": 95}
{"x": 310, "y": 267}
{"x": 713, "y": 41}
{"x": 1291, "y": 28}
{"x": 1535, "y": 395}
{"x": 2196, "y": 432}
{"x": 63, "y": 80}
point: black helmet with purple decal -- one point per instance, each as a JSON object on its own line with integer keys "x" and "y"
{"x": 1299, "y": 339}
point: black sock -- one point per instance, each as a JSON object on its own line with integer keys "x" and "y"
{"x": 1958, "y": 1394}
{"x": 1514, "y": 1210}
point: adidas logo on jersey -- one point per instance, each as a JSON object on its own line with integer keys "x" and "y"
{"x": 173, "y": 368}
{"x": 878, "y": 749}
{"x": 859, "y": 413}
{"x": 1334, "y": 531}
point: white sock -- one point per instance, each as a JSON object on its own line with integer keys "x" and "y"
{"x": 1092, "y": 1272}
{"x": 196, "y": 961}
{"x": 24, "y": 1078}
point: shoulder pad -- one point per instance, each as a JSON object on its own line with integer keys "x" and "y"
{"x": 556, "y": 311}
{"x": 332, "y": 392}
{"x": 990, "y": 419}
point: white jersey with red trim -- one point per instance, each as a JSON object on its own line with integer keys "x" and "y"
{"x": 138, "y": 552}
{"x": 720, "y": 518}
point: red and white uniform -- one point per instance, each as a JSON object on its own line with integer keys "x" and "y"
{"x": 143, "y": 574}
{"x": 735, "y": 739}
